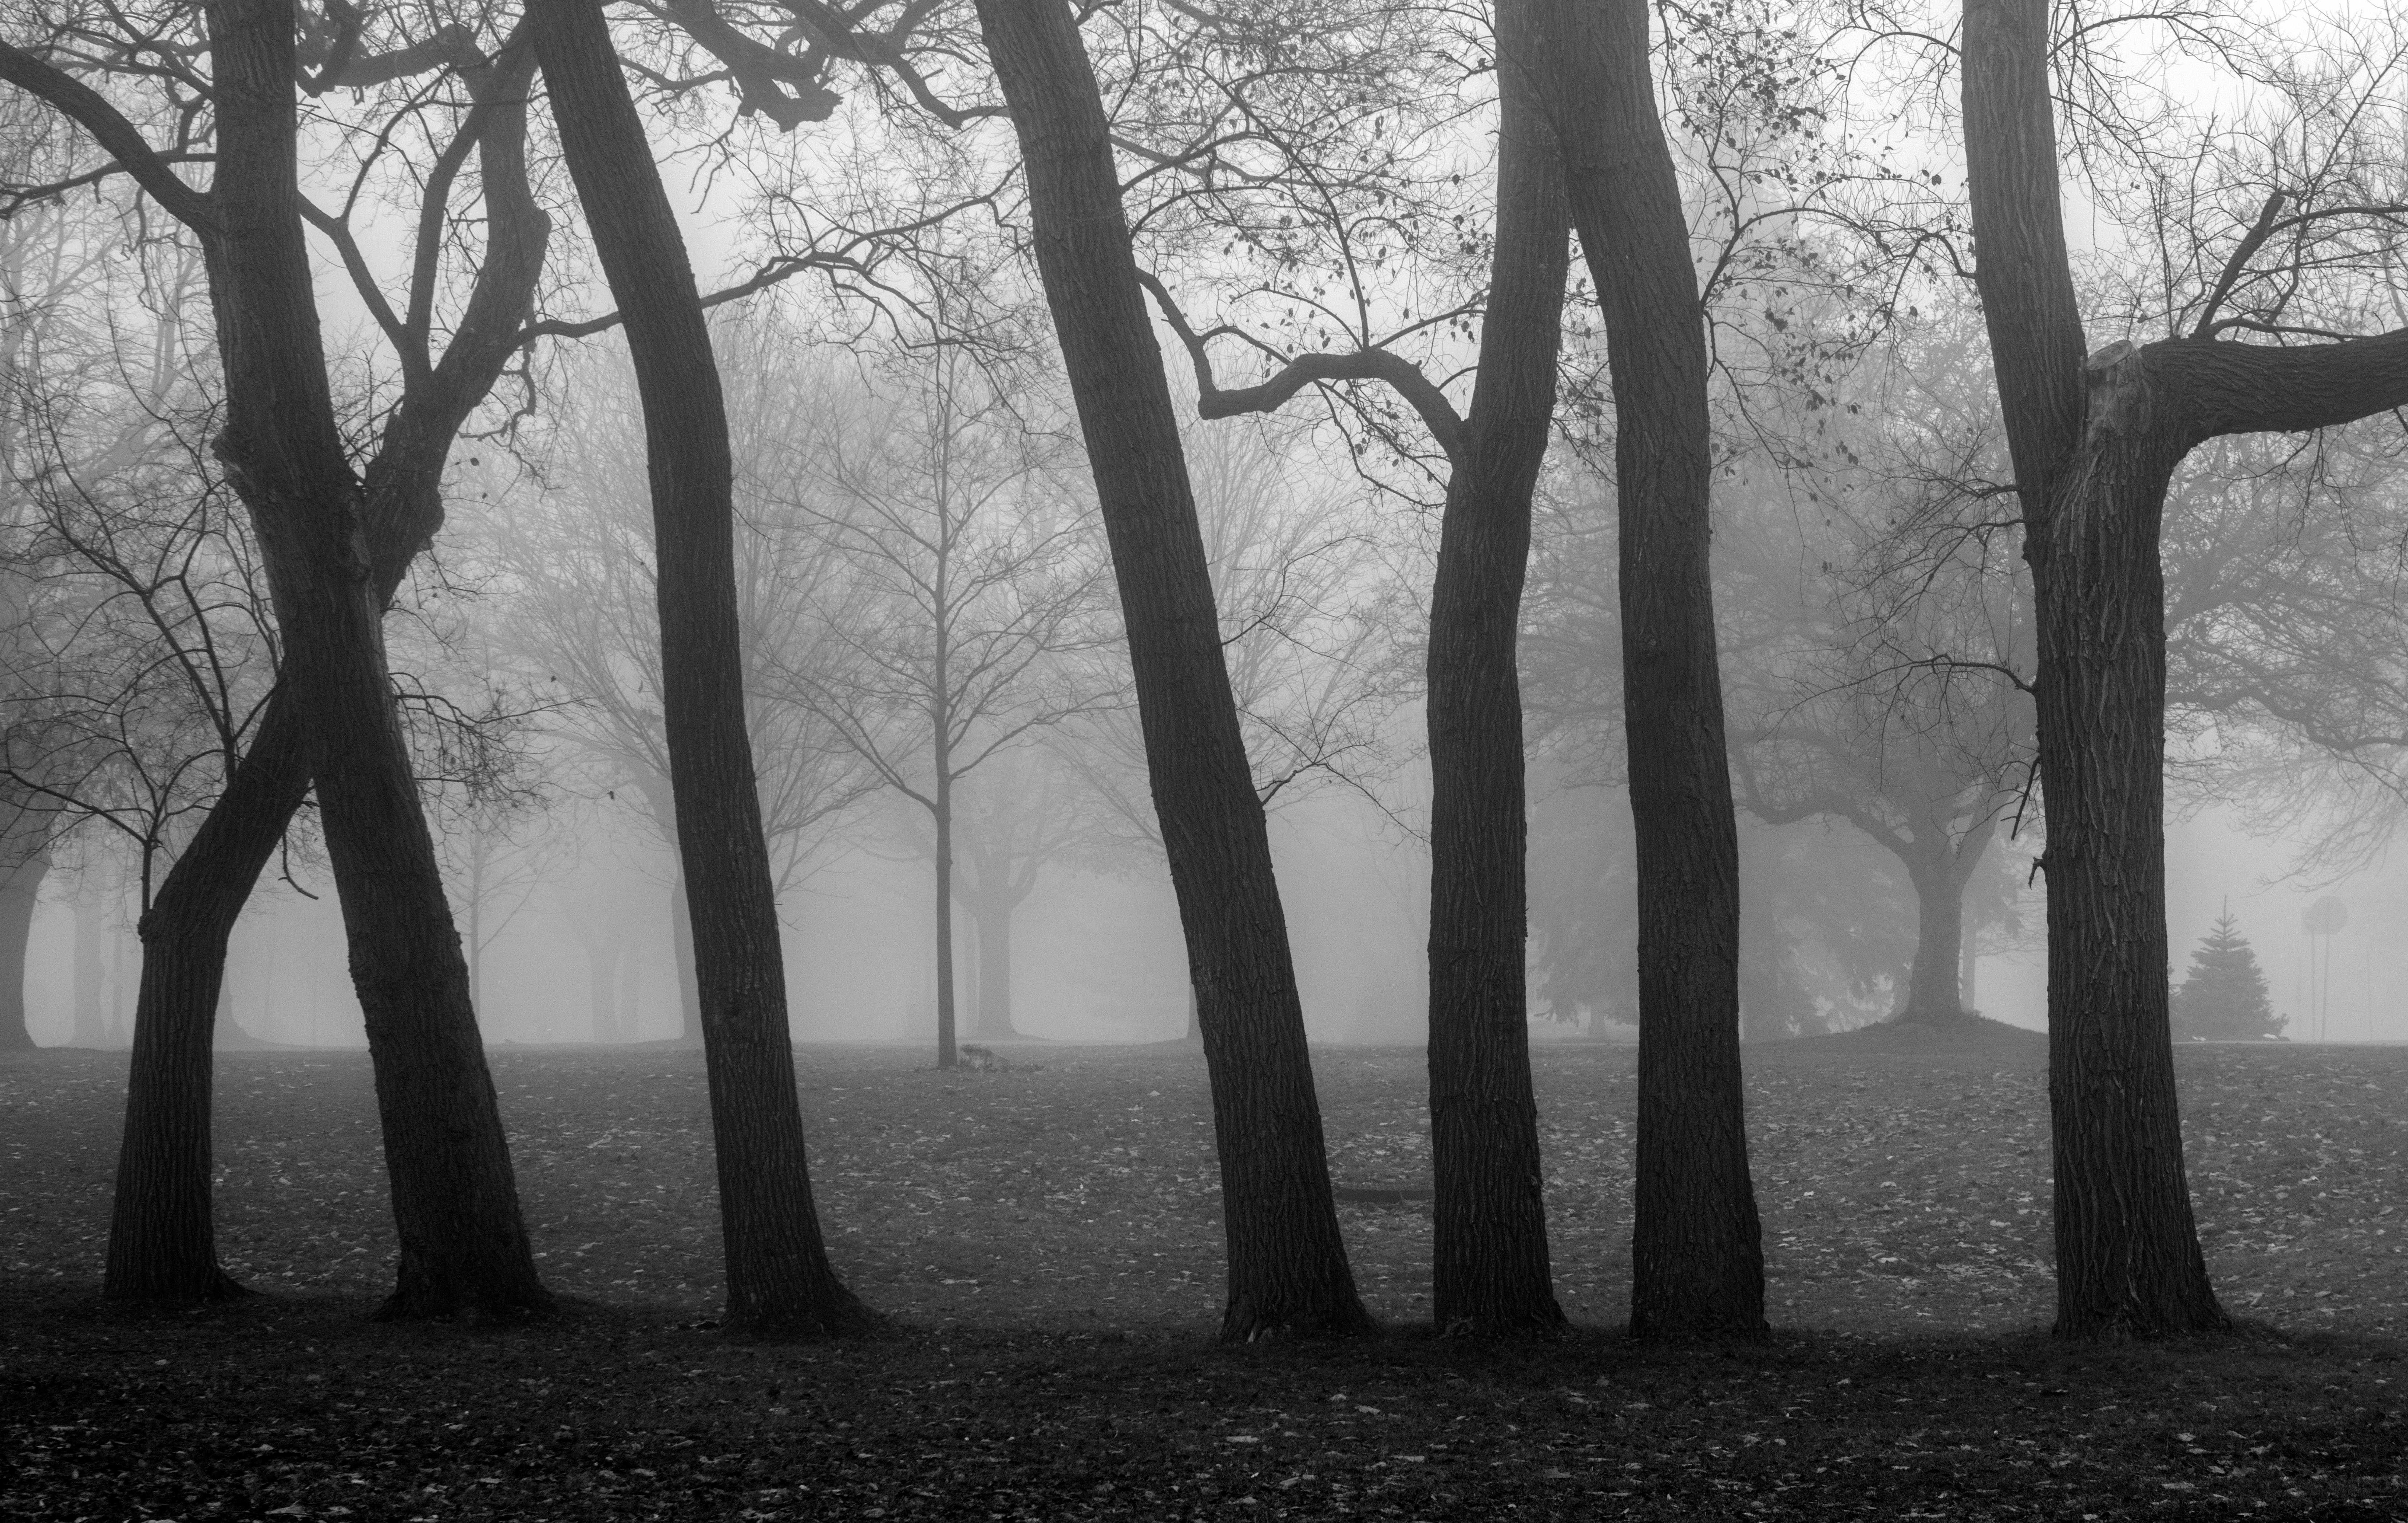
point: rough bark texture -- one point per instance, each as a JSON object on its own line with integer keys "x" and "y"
{"x": 779, "y": 1279}
{"x": 463, "y": 1247}
{"x": 1287, "y": 1263}
{"x": 2128, "y": 1251}
{"x": 21, "y": 886}
{"x": 1696, "y": 1255}
{"x": 2127, "y": 1254}
{"x": 161, "y": 1243}
{"x": 1490, "y": 1272}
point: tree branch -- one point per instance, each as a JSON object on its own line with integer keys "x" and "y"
{"x": 117, "y": 137}
{"x": 1437, "y": 414}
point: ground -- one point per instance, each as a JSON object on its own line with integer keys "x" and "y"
{"x": 1047, "y": 1239}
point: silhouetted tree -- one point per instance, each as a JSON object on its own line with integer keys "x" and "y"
{"x": 779, "y": 1278}
{"x": 1287, "y": 1262}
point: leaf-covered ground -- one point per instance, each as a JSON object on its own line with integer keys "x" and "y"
{"x": 1049, "y": 1238}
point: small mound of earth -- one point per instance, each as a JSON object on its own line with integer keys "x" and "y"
{"x": 1974, "y": 1036}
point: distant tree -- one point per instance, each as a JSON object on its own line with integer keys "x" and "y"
{"x": 973, "y": 579}
{"x": 2223, "y": 998}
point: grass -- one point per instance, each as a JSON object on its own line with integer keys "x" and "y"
{"x": 1050, "y": 1239}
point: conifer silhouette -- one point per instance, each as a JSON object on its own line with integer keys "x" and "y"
{"x": 2224, "y": 996}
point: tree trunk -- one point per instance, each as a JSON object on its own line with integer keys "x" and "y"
{"x": 1287, "y": 1262}
{"x": 161, "y": 1245}
{"x": 89, "y": 1027}
{"x": 1489, "y": 1273}
{"x": 779, "y": 1279}
{"x": 993, "y": 918}
{"x": 1934, "y": 983}
{"x": 2128, "y": 1256}
{"x": 661, "y": 798}
{"x": 631, "y": 989}
{"x": 464, "y": 1246}
{"x": 944, "y": 948}
{"x": 21, "y": 891}
{"x": 1697, "y": 1253}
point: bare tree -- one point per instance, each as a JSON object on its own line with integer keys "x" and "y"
{"x": 780, "y": 1280}
{"x": 974, "y": 580}
{"x": 1697, "y": 1255}
{"x": 1287, "y": 1263}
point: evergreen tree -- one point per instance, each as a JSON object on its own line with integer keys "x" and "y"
{"x": 2224, "y": 998}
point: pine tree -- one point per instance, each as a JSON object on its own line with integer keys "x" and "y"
{"x": 2224, "y": 998}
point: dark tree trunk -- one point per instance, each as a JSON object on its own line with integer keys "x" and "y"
{"x": 1490, "y": 1273}
{"x": 1287, "y": 1263}
{"x": 1932, "y": 993}
{"x": 946, "y": 1057}
{"x": 464, "y": 1246}
{"x": 779, "y": 1279}
{"x": 2127, "y": 1255}
{"x": 21, "y": 890}
{"x": 161, "y": 1243}
{"x": 1696, "y": 1254}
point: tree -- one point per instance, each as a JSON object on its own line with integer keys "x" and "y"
{"x": 2224, "y": 996}
{"x": 1491, "y": 1265}
{"x": 1287, "y": 1262}
{"x": 577, "y": 602}
{"x": 2094, "y": 443}
{"x": 779, "y": 1278}
{"x": 1696, "y": 1254}
{"x": 972, "y": 584}
{"x": 464, "y": 1245}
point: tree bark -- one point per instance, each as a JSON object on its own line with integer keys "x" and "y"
{"x": 1490, "y": 1273}
{"x": 1288, "y": 1271}
{"x": 21, "y": 889}
{"x": 2127, "y": 1255}
{"x": 1696, "y": 1254}
{"x": 779, "y": 1279}
{"x": 161, "y": 1242}
{"x": 2128, "y": 1261}
{"x": 464, "y": 1246}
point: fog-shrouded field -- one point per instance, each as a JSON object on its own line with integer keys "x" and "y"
{"x": 1904, "y": 1184}
{"x": 1047, "y": 1236}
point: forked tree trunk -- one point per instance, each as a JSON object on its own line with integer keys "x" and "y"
{"x": 21, "y": 892}
{"x": 2127, "y": 1254}
{"x": 162, "y": 1246}
{"x": 779, "y": 1279}
{"x": 464, "y": 1246}
{"x": 1697, "y": 1252}
{"x": 1489, "y": 1273}
{"x": 2094, "y": 443}
{"x": 1287, "y": 1263}
{"x": 1932, "y": 995}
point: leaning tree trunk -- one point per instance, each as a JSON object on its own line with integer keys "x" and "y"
{"x": 1697, "y": 1253}
{"x": 779, "y": 1279}
{"x": 21, "y": 892}
{"x": 464, "y": 1245}
{"x": 162, "y": 1246}
{"x": 1490, "y": 1268}
{"x": 1287, "y": 1263}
